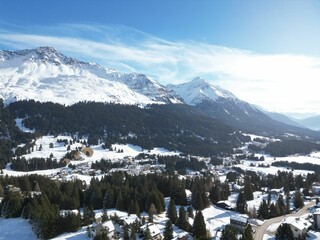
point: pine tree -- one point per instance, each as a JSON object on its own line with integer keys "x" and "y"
{"x": 298, "y": 201}
{"x": 284, "y": 232}
{"x": 199, "y": 227}
{"x": 168, "y": 231}
{"x": 133, "y": 234}
{"x": 120, "y": 203}
{"x": 126, "y": 234}
{"x": 247, "y": 234}
{"x": 152, "y": 210}
{"x": 182, "y": 221}
{"x": 274, "y": 210}
{"x": 215, "y": 194}
{"x": 197, "y": 202}
{"x": 11, "y": 205}
{"x": 228, "y": 233}
{"x": 134, "y": 207}
{"x": 263, "y": 212}
{"x": 147, "y": 234}
{"x": 190, "y": 212}
{"x": 280, "y": 205}
{"x": 247, "y": 189}
{"x": 172, "y": 212}
{"x": 241, "y": 206}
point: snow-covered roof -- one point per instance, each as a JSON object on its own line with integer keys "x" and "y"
{"x": 298, "y": 223}
{"x": 154, "y": 230}
{"x": 109, "y": 225}
{"x": 239, "y": 218}
{"x": 130, "y": 219}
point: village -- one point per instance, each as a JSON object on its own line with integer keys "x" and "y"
{"x": 135, "y": 161}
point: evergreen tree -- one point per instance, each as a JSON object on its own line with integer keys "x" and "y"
{"x": 199, "y": 227}
{"x": 168, "y": 231}
{"x": 284, "y": 232}
{"x": 120, "y": 203}
{"x": 247, "y": 233}
{"x": 133, "y": 233}
{"x": 11, "y": 205}
{"x": 147, "y": 234}
{"x": 134, "y": 207}
{"x": 263, "y": 212}
{"x": 182, "y": 221}
{"x": 190, "y": 212}
{"x": 229, "y": 233}
{"x": 215, "y": 194}
{"x": 241, "y": 206}
{"x": 298, "y": 201}
{"x": 197, "y": 202}
{"x": 152, "y": 210}
{"x": 281, "y": 206}
{"x": 126, "y": 234}
{"x": 274, "y": 210}
{"x": 172, "y": 212}
{"x": 247, "y": 189}
{"x": 88, "y": 215}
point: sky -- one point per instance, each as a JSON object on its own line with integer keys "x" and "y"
{"x": 265, "y": 52}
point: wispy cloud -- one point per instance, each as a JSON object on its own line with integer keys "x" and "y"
{"x": 281, "y": 82}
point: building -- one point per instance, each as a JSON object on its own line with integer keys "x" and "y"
{"x": 239, "y": 221}
{"x": 316, "y": 188}
{"x": 298, "y": 226}
{"x": 316, "y": 219}
{"x": 154, "y": 231}
{"x": 128, "y": 220}
{"x": 106, "y": 227}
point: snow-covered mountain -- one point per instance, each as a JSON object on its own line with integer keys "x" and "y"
{"x": 43, "y": 74}
{"x": 199, "y": 90}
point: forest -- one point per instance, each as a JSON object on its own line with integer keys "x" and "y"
{"x": 175, "y": 127}
{"x": 290, "y": 147}
{"x": 40, "y": 199}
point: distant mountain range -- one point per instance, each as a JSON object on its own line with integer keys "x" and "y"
{"x": 45, "y": 75}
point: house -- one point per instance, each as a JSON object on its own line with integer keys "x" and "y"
{"x": 316, "y": 218}
{"x": 316, "y": 188}
{"x": 11, "y": 188}
{"x": 106, "y": 227}
{"x": 239, "y": 221}
{"x": 298, "y": 226}
{"x": 128, "y": 220}
{"x": 154, "y": 231}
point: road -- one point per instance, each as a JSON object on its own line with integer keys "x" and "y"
{"x": 260, "y": 231}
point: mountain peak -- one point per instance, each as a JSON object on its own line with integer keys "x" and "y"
{"x": 44, "y": 74}
{"x": 198, "y": 90}
{"x": 199, "y": 80}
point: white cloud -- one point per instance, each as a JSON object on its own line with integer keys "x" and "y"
{"x": 281, "y": 82}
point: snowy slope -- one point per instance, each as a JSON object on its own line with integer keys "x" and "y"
{"x": 198, "y": 90}
{"x": 44, "y": 74}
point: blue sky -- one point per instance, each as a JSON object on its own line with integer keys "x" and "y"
{"x": 266, "y": 52}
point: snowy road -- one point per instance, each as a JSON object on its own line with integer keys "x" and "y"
{"x": 263, "y": 228}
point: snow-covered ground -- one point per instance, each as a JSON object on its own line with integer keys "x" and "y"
{"x": 16, "y": 228}
{"x": 59, "y": 150}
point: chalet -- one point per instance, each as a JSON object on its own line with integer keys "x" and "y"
{"x": 105, "y": 227}
{"x": 12, "y": 188}
{"x": 154, "y": 231}
{"x": 239, "y": 221}
{"x": 298, "y": 226}
{"x": 128, "y": 220}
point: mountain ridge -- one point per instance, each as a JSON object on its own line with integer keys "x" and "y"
{"x": 44, "y": 74}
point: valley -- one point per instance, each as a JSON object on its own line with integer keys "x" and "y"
{"x": 88, "y": 152}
